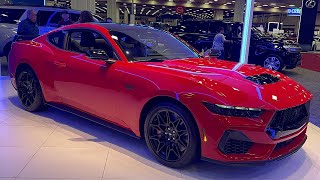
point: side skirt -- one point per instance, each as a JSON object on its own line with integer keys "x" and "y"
{"x": 92, "y": 118}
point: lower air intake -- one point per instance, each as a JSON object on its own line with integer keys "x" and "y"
{"x": 234, "y": 142}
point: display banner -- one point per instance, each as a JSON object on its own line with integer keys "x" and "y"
{"x": 308, "y": 22}
{"x": 30, "y": 2}
{"x": 294, "y": 12}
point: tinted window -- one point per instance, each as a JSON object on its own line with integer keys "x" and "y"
{"x": 11, "y": 16}
{"x": 146, "y": 44}
{"x": 55, "y": 20}
{"x": 74, "y": 17}
{"x": 57, "y": 39}
{"x": 43, "y": 17}
{"x": 85, "y": 42}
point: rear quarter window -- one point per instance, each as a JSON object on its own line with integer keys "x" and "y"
{"x": 57, "y": 39}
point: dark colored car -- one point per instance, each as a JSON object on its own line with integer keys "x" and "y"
{"x": 265, "y": 50}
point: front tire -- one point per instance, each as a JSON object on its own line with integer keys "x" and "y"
{"x": 171, "y": 135}
{"x": 273, "y": 62}
{"x": 29, "y": 91}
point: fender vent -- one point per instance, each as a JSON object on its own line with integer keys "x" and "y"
{"x": 263, "y": 79}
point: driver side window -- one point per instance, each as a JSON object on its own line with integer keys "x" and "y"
{"x": 90, "y": 43}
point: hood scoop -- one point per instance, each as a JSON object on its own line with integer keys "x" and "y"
{"x": 263, "y": 79}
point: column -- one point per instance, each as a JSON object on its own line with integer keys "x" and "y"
{"x": 307, "y": 24}
{"x": 218, "y": 15}
{"x": 239, "y": 10}
{"x": 88, "y": 5}
{"x": 126, "y": 17}
{"x": 132, "y": 13}
{"x": 113, "y": 10}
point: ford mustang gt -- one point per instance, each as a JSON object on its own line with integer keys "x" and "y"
{"x": 147, "y": 83}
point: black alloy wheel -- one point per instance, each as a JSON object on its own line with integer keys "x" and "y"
{"x": 29, "y": 91}
{"x": 171, "y": 135}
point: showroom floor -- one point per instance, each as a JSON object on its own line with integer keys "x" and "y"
{"x": 57, "y": 145}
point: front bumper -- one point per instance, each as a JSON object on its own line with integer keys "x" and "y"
{"x": 251, "y": 142}
{"x": 292, "y": 60}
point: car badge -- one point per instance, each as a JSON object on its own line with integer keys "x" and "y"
{"x": 311, "y": 4}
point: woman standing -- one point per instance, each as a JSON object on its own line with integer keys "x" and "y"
{"x": 218, "y": 42}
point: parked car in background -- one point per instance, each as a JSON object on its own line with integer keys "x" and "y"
{"x": 266, "y": 51}
{"x": 48, "y": 19}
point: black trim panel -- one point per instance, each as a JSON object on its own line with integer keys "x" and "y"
{"x": 254, "y": 163}
{"x": 92, "y": 118}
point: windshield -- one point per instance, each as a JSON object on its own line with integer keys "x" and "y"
{"x": 147, "y": 44}
{"x": 10, "y": 16}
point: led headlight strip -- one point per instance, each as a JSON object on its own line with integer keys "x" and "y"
{"x": 233, "y": 110}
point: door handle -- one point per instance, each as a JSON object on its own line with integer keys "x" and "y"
{"x": 60, "y": 64}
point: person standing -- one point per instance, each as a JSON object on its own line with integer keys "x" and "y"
{"x": 218, "y": 42}
{"x": 28, "y": 27}
{"x": 86, "y": 17}
{"x": 65, "y": 19}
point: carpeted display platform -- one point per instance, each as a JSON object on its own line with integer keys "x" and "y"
{"x": 311, "y": 61}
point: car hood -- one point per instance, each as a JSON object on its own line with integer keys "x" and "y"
{"x": 247, "y": 83}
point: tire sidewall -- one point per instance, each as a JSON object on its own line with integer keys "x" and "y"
{"x": 38, "y": 103}
{"x": 192, "y": 153}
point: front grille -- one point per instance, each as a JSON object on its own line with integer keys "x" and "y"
{"x": 289, "y": 119}
{"x": 234, "y": 142}
{"x": 293, "y": 58}
{"x": 283, "y": 144}
{"x": 237, "y": 147}
{"x": 263, "y": 79}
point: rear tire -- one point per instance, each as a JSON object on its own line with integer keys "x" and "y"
{"x": 171, "y": 135}
{"x": 29, "y": 91}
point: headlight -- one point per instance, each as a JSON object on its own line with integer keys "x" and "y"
{"x": 233, "y": 111}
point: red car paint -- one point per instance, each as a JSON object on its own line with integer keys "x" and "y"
{"x": 99, "y": 88}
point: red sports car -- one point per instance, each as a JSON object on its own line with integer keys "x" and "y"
{"x": 154, "y": 86}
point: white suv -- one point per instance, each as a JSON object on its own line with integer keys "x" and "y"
{"x": 48, "y": 19}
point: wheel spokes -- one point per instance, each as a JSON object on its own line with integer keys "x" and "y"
{"x": 168, "y": 135}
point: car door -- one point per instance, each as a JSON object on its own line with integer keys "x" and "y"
{"x": 90, "y": 82}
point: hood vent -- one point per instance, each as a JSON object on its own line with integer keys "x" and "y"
{"x": 263, "y": 79}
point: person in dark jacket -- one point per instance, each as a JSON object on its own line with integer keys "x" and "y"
{"x": 86, "y": 17}
{"x": 65, "y": 19}
{"x": 29, "y": 27}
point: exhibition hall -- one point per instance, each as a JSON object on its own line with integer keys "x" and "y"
{"x": 159, "y": 89}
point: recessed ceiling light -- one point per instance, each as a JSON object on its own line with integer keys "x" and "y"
{"x": 283, "y": 6}
{"x": 259, "y": 6}
{"x": 291, "y": 5}
{"x": 265, "y": 5}
{"x": 277, "y": 7}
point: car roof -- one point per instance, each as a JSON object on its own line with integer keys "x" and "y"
{"x": 51, "y": 8}
{"x": 119, "y": 27}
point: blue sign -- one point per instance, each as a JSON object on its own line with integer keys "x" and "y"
{"x": 294, "y": 12}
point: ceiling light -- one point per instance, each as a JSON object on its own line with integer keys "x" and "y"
{"x": 259, "y": 6}
{"x": 292, "y": 5}
{"x": 265, "y": 5}
{"x": 276, "y": 7}
{"x": 283, "y": 6}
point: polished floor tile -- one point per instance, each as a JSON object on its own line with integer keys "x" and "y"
{"x": 14, "y": 159}
{"x": 120, "y": 165}
{"x": 66, "y": 163}
{"x": 23, "y": 136}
